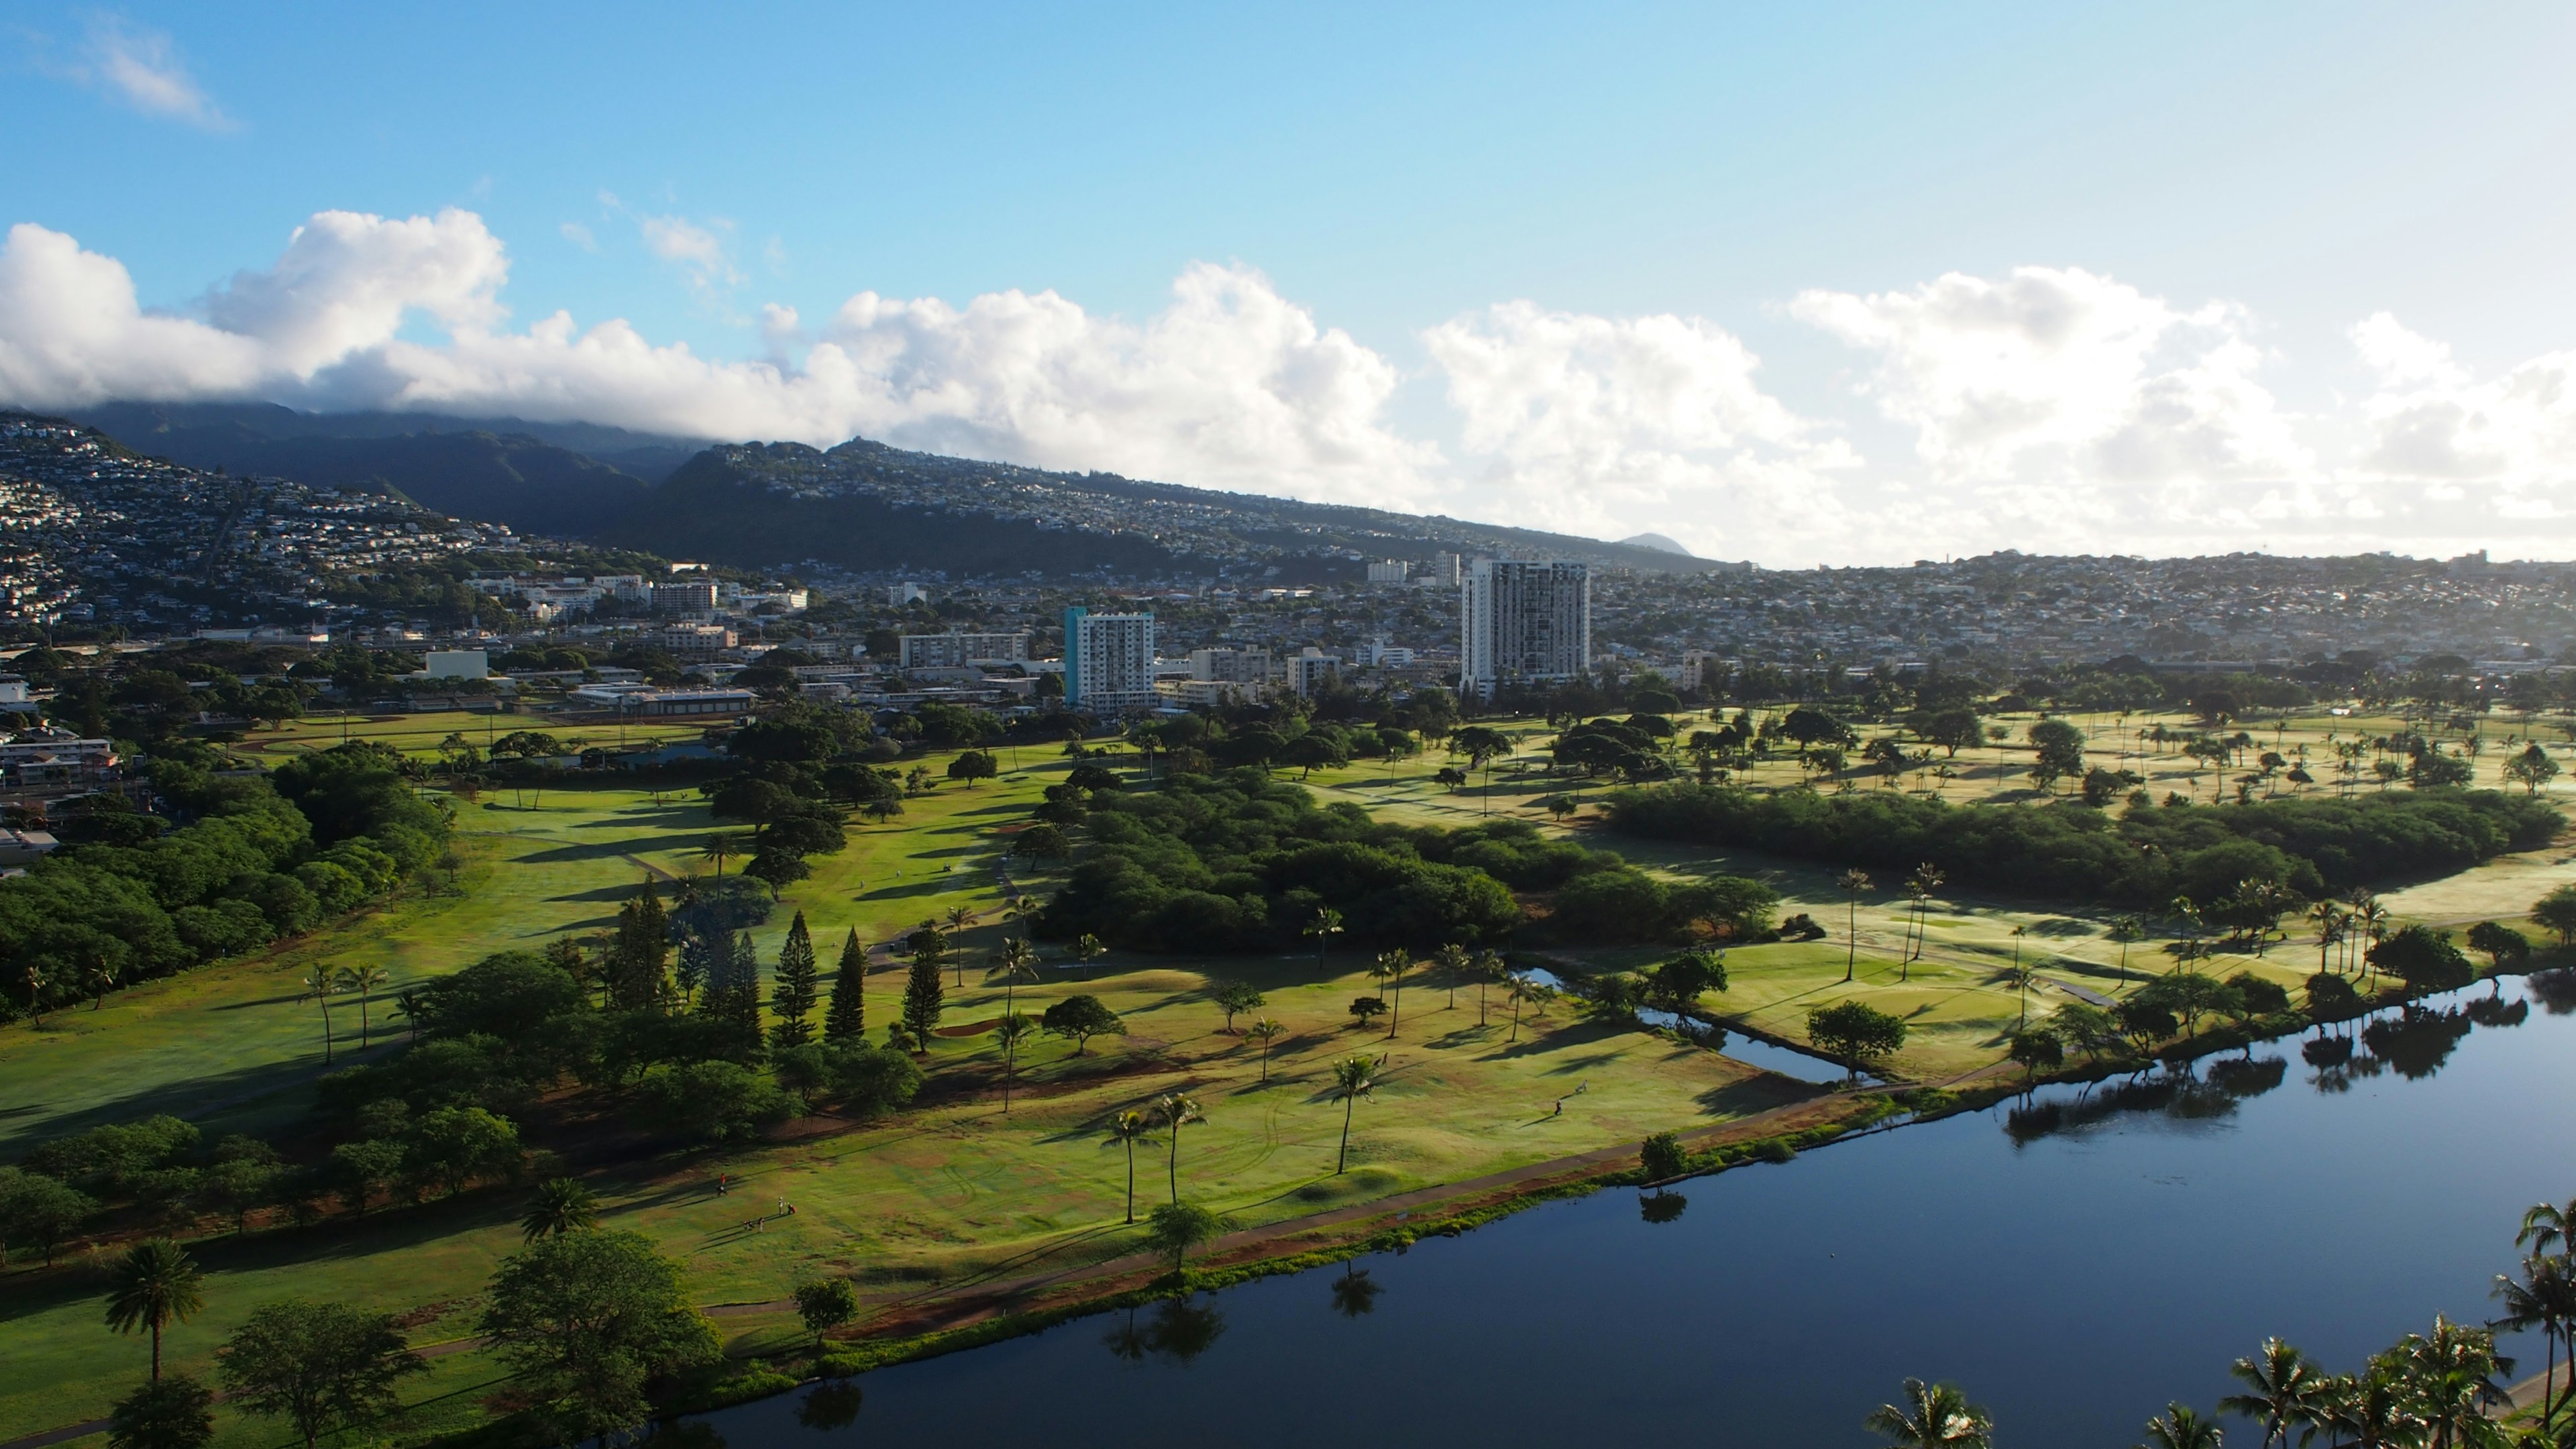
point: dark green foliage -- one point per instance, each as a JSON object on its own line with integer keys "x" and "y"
{"x": 826, "y": 1304}
{"x": 1855, "y": 1031}
{"x": 115, "y": 1161}
{"x": 2313, "y": 845}
{"x": 1661, "y": 1157}
{"x": 172, "y": 1412}
{"x": 39, "y": 1211}
{"x": 588, "y": 1320}
{"x": 846, "y": 1020}
{"x": 1082, "y": 1018}
{"x": 793, "y": 991}
{"x": 2424, "y": 958}
{"x": 2331, "y": 996}
{"x": 923, "y": 998}
{"x": 2503, "y": 946}
{"x": 639, "y": 958}
{"x": 708, "y": 1103}
{"x": 453, "y": 1147}
{"x": 319, "y": 1366}
{"x": 340, "y": 825}
{"x": 1240, "y": 862}
{"x": 1677, "y": 984}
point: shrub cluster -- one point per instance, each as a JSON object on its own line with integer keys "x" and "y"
{"x": 2145, "y": 856}
{"x": 130, "y": 901}
{"x": 1241, "y": 862}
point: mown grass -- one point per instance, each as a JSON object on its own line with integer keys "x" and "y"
{"x": 957, "y": 1191}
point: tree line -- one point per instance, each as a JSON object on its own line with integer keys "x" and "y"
{"x": 131, "y": 899}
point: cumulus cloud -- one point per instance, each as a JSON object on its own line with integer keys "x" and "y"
{"x": 2505, "y": 446}
{"x": 1230, "y": 385}
{"x": 2047, "y": 409}
{"x": 1603, "y": 425}
{"x": 142, "y": 68}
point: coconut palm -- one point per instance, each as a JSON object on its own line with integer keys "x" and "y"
{"x": 720, "y": 848}
{"x": 2020, "y": 977}
{"x": 2451, "y": 1375}
{"x": 1389, "y": 967}
{"x": 1487, "y": 968}
{"x": 1172, "y": 1112}
{"x": 2282, "y": 1387}
{"x": 322, "y": 983}
{"x": 1010, "y": 1031}
{"x": 1353, "y": 1078}
{"x": 156, "y": 1284}
{"x": 560, "y": 1206}
{"x": 2181, "y": 1427}
{"x": 1127, "y": 1129}
{"x": 366, "y": 981}
{"x": 1324, "y": 926}
{"x": 1265, "y": 1031}
{"x": 1524, "y": 989}
{"x": 2548, "y": 1223}
{"x": 2127, "y": 931}
{"x": 1926, "y": 881}
{"x": 1015, "y": 962}
{"x": 1853, "y": 883}
{"x": 1452, "y": 960}
{"x": 1932, "y": 1416}
{"x": 2543, "y": 1298}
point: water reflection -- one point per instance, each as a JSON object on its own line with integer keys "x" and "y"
{"x": 1662, "y": 1207}
{"x": 2415, "y": 1042}
{"x": 1355, "y": 1293}
{"x": 831, "y": 1404}
{"x": 2176, "y": 1095}
{"x": 1180, "y": 1330}
{"x": 2554, "y": 989}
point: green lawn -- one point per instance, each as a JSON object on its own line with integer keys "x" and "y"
{"x": 957, "y": 1189}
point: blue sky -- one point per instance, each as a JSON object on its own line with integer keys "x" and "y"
{"x": 2292, "y": 279}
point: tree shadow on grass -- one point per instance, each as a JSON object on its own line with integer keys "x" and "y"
{"x": 610, "y": 849}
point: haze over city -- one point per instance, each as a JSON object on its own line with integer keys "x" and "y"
{"x": 1889, "y": 284}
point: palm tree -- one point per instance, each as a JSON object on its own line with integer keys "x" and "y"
{"x": 366, "y": 981}
{"x": 2451, "y": 1375}
{"x": 1524, "y": 989}
{"x": 2548, "y": 1223}
{"x": 1926, "y": 882}
{"x": 322, "y": 983}
{"x": 2283, "y": 1386}
{"x": 1353, "y": 1078}
{"x": 1452, "y": 960}
{"x": 1933, "y": 1416}
{"x": 1488, "y": 968}
{"x": 1265, "y": 1031}
{"x": 2020, "y": 977}
{"x": 961, "y": 916}
{"x": 720, "y": 848}
{"x": 2180, "y": 1427}
{"x": 1326, "y": 924}
{"x": 1389, "y": 966}
{"x": 2328, "y": 914}
{"x": 2543, "y": 1298}
{"x": 1174, "y": 1111}
{"x": 1010, "y": 1031}
{"x": 560, "y": 1206}
{"x": 2127, "y": 931}
{"x": 1853, "y": 883}
{"x": 1016, "y": 962}
{"x": 156, "y": 1284}
{"x": 1126, "y": 1130}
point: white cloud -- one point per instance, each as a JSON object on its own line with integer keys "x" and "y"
{"x": 2048, "y": 409}
{"x": 142, "y": 68}
{"x": 2508, "y": 444}
{"x": 579, "y": 236}
{"x": 1613, "y": 426}
{"x": 1230, "y": 385}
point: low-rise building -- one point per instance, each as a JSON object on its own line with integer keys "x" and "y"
{"x": 647, "y": 703}
{"x": 955, "y": 650}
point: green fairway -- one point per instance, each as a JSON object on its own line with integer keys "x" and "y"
{"x": 956, "y": 1189}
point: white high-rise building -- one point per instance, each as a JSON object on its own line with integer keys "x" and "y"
{"x": 1108, "y": 661}
{"x": 1522, "y": 623}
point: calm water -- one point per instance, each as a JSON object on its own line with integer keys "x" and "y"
{"x": 2074, "y": 1263}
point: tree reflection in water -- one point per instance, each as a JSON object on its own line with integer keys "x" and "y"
{"x": 831, "y": 1404}
{"x": 2415, "y": 1042}
{"x": 2554, "y": 989}
{"x": 1355, "y": 1293}
{"x": 1662, "y": 1207}
{"x": 2174, "y": 1094}
{"x": 1182, "y": 1330}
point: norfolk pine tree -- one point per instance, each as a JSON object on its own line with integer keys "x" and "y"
{"x": 922, "y": 999}
{"x": 846, "y": 1020}
{"x": 792, "y": 995}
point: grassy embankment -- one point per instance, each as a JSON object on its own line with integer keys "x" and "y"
{"x": 956, "y": 1190}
